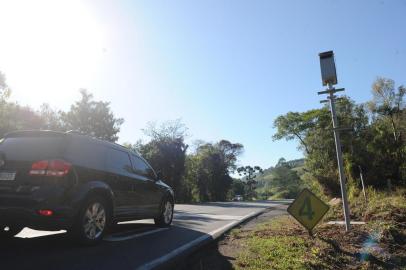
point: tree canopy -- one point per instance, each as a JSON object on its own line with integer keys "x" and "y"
{"x": 375, "y": 143}
{"x": 94, "y": 118}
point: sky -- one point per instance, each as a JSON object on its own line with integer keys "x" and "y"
{"x": 226, "y": 68}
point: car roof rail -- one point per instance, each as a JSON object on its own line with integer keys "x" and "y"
{"x": 37, "y": 132}
{"x": 75, "y": 132}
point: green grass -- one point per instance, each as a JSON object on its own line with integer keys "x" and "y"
{"x": 283, "y": 244}
{"x": 235, "y": 233}
{"x": 277, "y": 252}
{"x": 265, "y": 250}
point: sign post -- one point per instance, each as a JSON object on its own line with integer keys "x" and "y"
{"x": 308, "y": 209}
{"x": 329, "y": 78}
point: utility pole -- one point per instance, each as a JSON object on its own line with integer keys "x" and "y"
{"x": 329, "y": 78}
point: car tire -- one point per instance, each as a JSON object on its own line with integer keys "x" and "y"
{"x": 166, "y": 214}
{"x": 9, "y": 231}
{"x": 92, "y": 222}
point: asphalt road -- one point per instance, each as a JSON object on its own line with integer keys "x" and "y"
{"x": 132, "y": 245}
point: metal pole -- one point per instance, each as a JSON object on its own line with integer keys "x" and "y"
{"x": 339, "y": 158}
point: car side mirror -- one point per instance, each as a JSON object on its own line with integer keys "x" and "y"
{"x": 158, "y": 175}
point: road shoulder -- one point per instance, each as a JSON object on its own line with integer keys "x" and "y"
{"x": 222, "y": 253}
{"x": 278, "y": 242}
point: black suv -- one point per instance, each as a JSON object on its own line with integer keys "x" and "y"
{"x": 66, "y": 181}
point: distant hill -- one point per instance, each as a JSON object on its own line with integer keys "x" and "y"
{"x": 293, "y": 164}
{"x": 296, "y": 163}
{"x": 282, "y": 180}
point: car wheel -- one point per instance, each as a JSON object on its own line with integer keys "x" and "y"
{"x": 9, "y": 231}
{"x": 166, "y": 215}
{"x": 92, "y": 222}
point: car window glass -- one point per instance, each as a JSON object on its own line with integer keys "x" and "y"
{"x": 119, "y": 161}
{"x": 142, "y": 168}
{"x": 33, "y": 148}
{"x": 88, "y": 153}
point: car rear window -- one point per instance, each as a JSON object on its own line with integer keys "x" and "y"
{"x": 32, "y": 148}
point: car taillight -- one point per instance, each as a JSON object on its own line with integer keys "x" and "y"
{"x": 39, "y": 167}
{"x": 45, "y": 213}
{"x": 54, "y": 167}
{"x": 58, "y": 167}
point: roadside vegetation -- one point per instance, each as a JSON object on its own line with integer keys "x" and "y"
{"x": 274, "y": 240}
{"x": 282, "y": 243}
{"x": 375, "y": 148}
{"x": 197, "y": 173}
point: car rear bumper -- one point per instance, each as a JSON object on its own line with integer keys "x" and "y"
{"x": 29, "y": 217}
{"x": 22, "y": 208}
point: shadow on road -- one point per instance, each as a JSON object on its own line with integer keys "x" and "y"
{"x": 131, "y": 228}
{"x": 60, "y": 252}
{"x": 207, "y": 258}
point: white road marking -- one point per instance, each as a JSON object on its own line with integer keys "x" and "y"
{"x": 112, "y": 238}
{"x": 140, "y": 221}
{"x": 208, "y": 216}
{"x": 117, "y": 237}
{"x": 29, "y": 233}
{"x": 208, "y": 236}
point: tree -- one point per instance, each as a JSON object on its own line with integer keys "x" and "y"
{"x": 4, "y": 89}
{"x": 209, "y": 169}
{"x": 237, "y": 187}
{"x": 297, "y": 125}
{"x": 386, "y": 134}
{"x": 88, "y": 116}
{"x": 3, "y": 84}
{"x": 376, "y": 141}
{"x": 388, "y": 103}
{"x": 51, "y": 119}
{"x": 166, "y": 152}
{"x": 250, "y": 173}
{"x": 15, "y": 117}
{"x": 281, "y": 162}
{"x": 171, "y": 129}
{"x": 94, "y": 118}
{"x": 322, "y": 160}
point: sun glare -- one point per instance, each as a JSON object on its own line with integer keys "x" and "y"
{"x": 48, "y": 49}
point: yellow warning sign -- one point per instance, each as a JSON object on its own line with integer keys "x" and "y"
{"x": 308, "y": 209}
